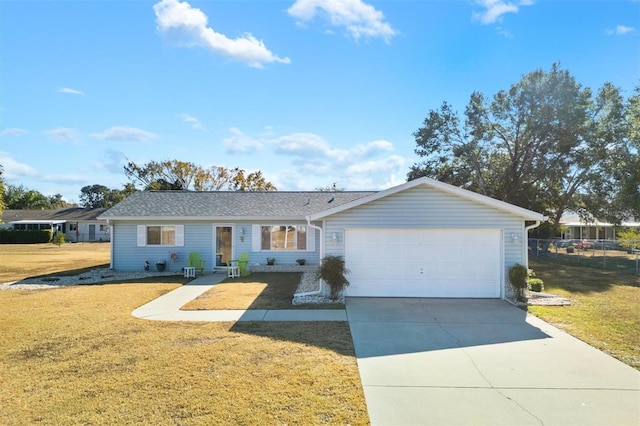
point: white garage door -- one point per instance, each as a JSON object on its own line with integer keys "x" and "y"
{"x": 424, "y": 263}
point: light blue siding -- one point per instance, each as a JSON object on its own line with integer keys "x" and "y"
{"x": 198, "y": 237}
{"x": 423, "y": 207}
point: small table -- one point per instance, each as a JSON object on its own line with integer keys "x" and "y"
{"x": 189, "y": 272}
{"x": 233, "y": 270}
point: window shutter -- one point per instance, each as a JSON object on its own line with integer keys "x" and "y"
{"x": 180, "y": 235}
{"x": 142, "y": 235}
{"x": 311, "y": 239}
{"x": 256, "y": 236}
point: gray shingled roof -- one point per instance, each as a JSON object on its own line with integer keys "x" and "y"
{"x": 222, "y": 204}
{"x": 68, "y": 214}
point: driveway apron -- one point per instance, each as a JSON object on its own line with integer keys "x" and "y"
{"x": 482, "y": 361}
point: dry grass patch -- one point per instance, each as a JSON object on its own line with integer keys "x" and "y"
{"x": 75, "y": 355}
{"x": 20, "y": 261}
{"x": 260, "y": 290}
{"x": 604, "y": 309}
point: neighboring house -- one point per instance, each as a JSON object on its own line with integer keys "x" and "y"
{"x": 579, "y": 229}
{"x": 423, "y": 238}
{"x": 78, "y": 224}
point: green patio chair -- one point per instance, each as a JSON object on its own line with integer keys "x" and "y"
{"x": 195, "y": 261}
{"x": 242, "y": 263}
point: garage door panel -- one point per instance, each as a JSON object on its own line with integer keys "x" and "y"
{"x": 424, "y": 263}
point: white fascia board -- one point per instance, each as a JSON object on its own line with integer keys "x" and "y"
{"x": 208, "y": 218}
{"x": 39, "y": 221}
{"x": 483, "y": 199}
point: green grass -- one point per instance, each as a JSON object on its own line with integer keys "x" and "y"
{"x": 261, "y": 290}
{"x": 605, "y": 305}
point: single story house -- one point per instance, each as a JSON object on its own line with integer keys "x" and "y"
{"x": 579, "y": 229}
{"x": 78, "y": 224}
{"x": 423, "y": 238}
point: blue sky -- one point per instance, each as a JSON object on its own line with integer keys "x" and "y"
{"x": 310, "y": 92}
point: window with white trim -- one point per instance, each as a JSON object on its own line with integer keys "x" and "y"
{"x": 160, "y": 235}
{"x": 283, "y": 237}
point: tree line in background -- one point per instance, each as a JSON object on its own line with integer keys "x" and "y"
{"x": 164, "y": 175}
{"x": 546, "y": 144}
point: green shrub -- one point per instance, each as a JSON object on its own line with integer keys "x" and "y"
{"x": 11, "y": 236}
{"x": 332, "y": 270}
{"x": 518, "y": 275}
{"x": 536, "y": 284}
{"x": 59, "y": 239}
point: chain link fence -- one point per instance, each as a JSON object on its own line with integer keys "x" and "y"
{"x": 621, "y": 255}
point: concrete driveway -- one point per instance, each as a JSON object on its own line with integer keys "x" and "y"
{"x": 466, "y": 362}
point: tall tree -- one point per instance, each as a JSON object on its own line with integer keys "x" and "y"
{"x": 57, "y": 202}
{"x": 537, "y": 145}
{"x": 21, "y": 198}
{"x": 180, "y": 175}
{"x": 96, "y": 196}
{"x": 615, "y": 195}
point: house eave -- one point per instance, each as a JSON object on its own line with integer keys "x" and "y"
{"x": 205, "y": 218}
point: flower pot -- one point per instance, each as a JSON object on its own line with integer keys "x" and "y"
{"x": 160, "y": 267}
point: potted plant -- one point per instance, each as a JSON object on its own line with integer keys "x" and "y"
{"x": 161, "y": 265}
{"x": 332, "y": 270}
{"x": 301, "y": 261}
{"x": 271, "y": 261}
{"x": 570, "y": 249}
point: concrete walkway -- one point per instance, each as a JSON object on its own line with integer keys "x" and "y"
{"x": 482, "y": 362}
{"x": 167, "y": 307}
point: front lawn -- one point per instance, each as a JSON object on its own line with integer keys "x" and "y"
{"x": 20, "y": 261}
{"x": 75, "y": 355}
{"x": 260, "y": 290}
{"x": 605, "y": 306}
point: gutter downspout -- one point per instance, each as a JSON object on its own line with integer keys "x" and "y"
{"x": 312, "y": 293}
{"x": 110, "y": 244}
{"x": 525, "y": 249}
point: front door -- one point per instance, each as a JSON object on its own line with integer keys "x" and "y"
{"x": 224, "y": 244}
{"x": 92, "y": 232}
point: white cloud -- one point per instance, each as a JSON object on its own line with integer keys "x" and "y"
{"x": 69, "y": 91}
{"x": 240, "y": 142}
{"x": 189, "y": 27}
{"x": 494, "y": 9}
{"x": 358, "y": 18}
{"x": 382, "y": 165}
{"x": 112, "y": 162}
{"x": 302, "y": 145}
{"x": 125, "y": 134}
{"x": 620, "y": 30}
{"x": 14, "y": 131}
{"x": 371, "y": 148}
{"x": 62, "y": 134}
{"x": 194, "y": 122}
{"x": 13, "y": 169}
{"x": 316, "y": 164}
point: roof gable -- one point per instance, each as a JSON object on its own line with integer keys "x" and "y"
{"x": 450, "y": 189}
